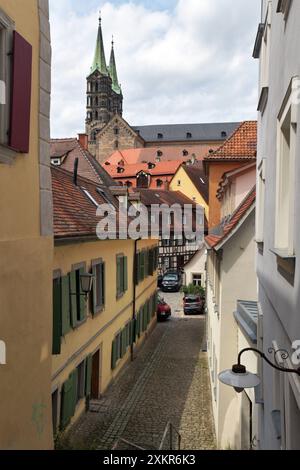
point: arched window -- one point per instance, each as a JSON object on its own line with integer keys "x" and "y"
{"x": 159, "y": 183}
{"x": 116, "y": 131}
{"x": 96, "y": 101}
{"x": 96, "y": 86}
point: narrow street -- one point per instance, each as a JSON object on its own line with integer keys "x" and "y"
{"x": 167, "y": 382}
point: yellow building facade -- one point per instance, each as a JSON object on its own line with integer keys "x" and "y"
{"x": 184, "y": 181}
{"x": 94, "y": 336}
{"x": 26, "y": 239}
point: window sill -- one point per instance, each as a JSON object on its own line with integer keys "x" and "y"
{"x": 282, "y": 253}
{"x": 119, "y": 296}
{"x": 7, "y": 155}
{"x": 286, "y": 264}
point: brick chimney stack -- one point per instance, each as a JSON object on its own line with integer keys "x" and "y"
{"x": 83, "y": 140}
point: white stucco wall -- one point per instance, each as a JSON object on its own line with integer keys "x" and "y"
{"x": 196, "y": 266}
{"x": 279, "y": 299}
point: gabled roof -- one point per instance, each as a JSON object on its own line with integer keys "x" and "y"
{"x": 230, "y": 175}
{"x": 74, "y": 214}
{"x": 198, "y": 178}
{"x": 130, "y": 171}
{"x": 159, "y": 196}
{"x": 242, "y": 145}
{"x": 187, "y": 132}
{"x": 88, "y": 167}
{"x": 214, "y": 241}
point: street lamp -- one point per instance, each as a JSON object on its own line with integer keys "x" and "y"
{"x": 86, "y": 282}
{"x": 239, "y": 378}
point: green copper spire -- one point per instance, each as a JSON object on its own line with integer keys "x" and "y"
{"x": 99, "y": 62}
{"x": 113, "y": 70}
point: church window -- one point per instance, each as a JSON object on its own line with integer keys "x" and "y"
{"x": 96, "y": 101}
{"x": 103, "y": 103}
{"x": 96, "y": 86}
{"x": 116, "y": 131}
{"x": 116, "y": 144}
{"x": 96, "y": 115}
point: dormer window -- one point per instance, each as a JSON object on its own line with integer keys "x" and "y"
{"x": 159, "y": 153}
{"x": 189, "y": 135}
{"x": 159, "y": 183}
{"x": 185, "y": 153}
{"x": 55, "y": 161}
{"x": 160, "y": 136}
{"x": 120, "y": 169}
{"x": 223, "y": 134}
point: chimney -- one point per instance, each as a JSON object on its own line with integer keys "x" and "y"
{"x": 75, "y": 173}
{"x": 166, "y": 185}
{"x": 83, "y": 141}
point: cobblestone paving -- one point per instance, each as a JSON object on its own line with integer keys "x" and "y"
{"x": 168, "y": 381}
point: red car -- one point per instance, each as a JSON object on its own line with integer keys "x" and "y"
{"x": 163, "y": 310}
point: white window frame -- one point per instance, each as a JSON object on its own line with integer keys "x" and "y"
{"x": 285, "y": 178}
{"x": 7, "y": 27}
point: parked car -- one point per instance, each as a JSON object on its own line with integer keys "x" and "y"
{"x": 163, "y": 310}
{"x": 193, "y": 304}
{"x": 172, "y": 282}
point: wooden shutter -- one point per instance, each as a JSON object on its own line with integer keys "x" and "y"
{"x": 146, "y": 263}
{"x": 65, "y": 305}
{"x": 82, "y": 298}
{"x": 94, "y": 291}
{"x": 57, "y": 320}
{"x": 88, "y": 375}
{"x": 20, "y": 94}
{"x": 73, "y": 298}
{"x": 136, "y": 274}
{"x": 66, "y": 399}
{"x": 148, "y": 311}
{"x": 142, "y": 265}
{"x": 114, "y": 354}
{"x": 74, "y": 381}
{"x": 118, "y": 276}
{"x": 103, "y": 283}
{"x": 125, "y": 274}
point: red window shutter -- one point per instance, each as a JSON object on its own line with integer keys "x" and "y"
{"x": 21, "y": 94}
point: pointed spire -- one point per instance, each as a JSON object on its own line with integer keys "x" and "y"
{"x": 99, "y": 62}
{"x": 113, "y": 70}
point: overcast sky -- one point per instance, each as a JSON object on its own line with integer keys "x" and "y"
{"x": 178, "y": 60}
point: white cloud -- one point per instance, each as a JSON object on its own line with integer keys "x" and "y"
{"x": 191, "y": 64}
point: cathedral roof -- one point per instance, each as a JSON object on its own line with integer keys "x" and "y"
{"x": 205, "y": 132}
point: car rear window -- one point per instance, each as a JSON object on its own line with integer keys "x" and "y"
{"x": 192, "y": 300}
{"x": 170, "y": 277}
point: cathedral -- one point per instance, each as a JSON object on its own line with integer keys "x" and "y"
{"x": 107, "y": 132}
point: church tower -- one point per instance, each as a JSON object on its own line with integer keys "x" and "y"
{"x": 104, "y": 94}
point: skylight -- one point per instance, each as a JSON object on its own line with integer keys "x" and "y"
{"x": 90, "y": 197}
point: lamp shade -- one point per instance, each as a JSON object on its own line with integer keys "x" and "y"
{"x": 86, "y": 281}
{"x": 239, "y": 381}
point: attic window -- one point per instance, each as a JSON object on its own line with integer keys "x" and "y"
{"x": 159, "y": 183}
{"x": 116, "y": 131}
{"x": 128, "y": 184}
{"x": 224, "y": 134}
{"x": 159, "y": 153}
{"x": 90, "y": 197}
{"x": 55, "y": 161}
{"x": 185, "y": 153}
{"x": 160, "y": 136}
{"x": 120, "y": 169}
{"x": 188, "y": 135}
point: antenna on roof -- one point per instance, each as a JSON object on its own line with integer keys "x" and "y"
{"x": 75, "y": 174}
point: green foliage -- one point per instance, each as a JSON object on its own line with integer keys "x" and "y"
{"x": 193, "y": 290}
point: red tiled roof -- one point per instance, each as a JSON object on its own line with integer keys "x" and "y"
{"x": 130, "y": 171}
{"x": 214, "y": 240}
{"x": 88, "y": 167}
{"x": 242, "y": 145}
{"x": 73, "y": 213}
{"x": 169, "y": 153}
{"x": 159, "y": 196}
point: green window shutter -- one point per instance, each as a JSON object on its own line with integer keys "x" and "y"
{"x": 114, "y": 354}
{"x": 65, "y": 305}
{"x": 149, "y": 311}
{"x": 57, "y": 320}
{"x": 151, "y": 262}
{"x": 73, "y": 402}
{"x": 103, "y": 283}
{"x": 133, "y": 331}
{"x": 147, "y": 263}
{"x": 94, "y": 291}
{"x": 146, "y": 316}
{"x": 66, "y": 398}
{"x": 88, "y": 375}
{"x": 123, "y": 341}
{"x": 118, "y": 280}
{"x": 82, "y": 299}
{"x": 73, "y": 298}
{"x": 125, "y": 270}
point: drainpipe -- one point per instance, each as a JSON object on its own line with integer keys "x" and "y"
{"x": 134, "y": 291}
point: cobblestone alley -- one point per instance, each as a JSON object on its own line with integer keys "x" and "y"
{"x": 168, "y": 381}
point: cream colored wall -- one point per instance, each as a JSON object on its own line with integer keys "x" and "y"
{"x": 188, "y": 188}
{"x": 196, "y": 266}
{"x": 238, "y": 282}
{"x": 100, "y": 330}
{"x": 25, "y": 278}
